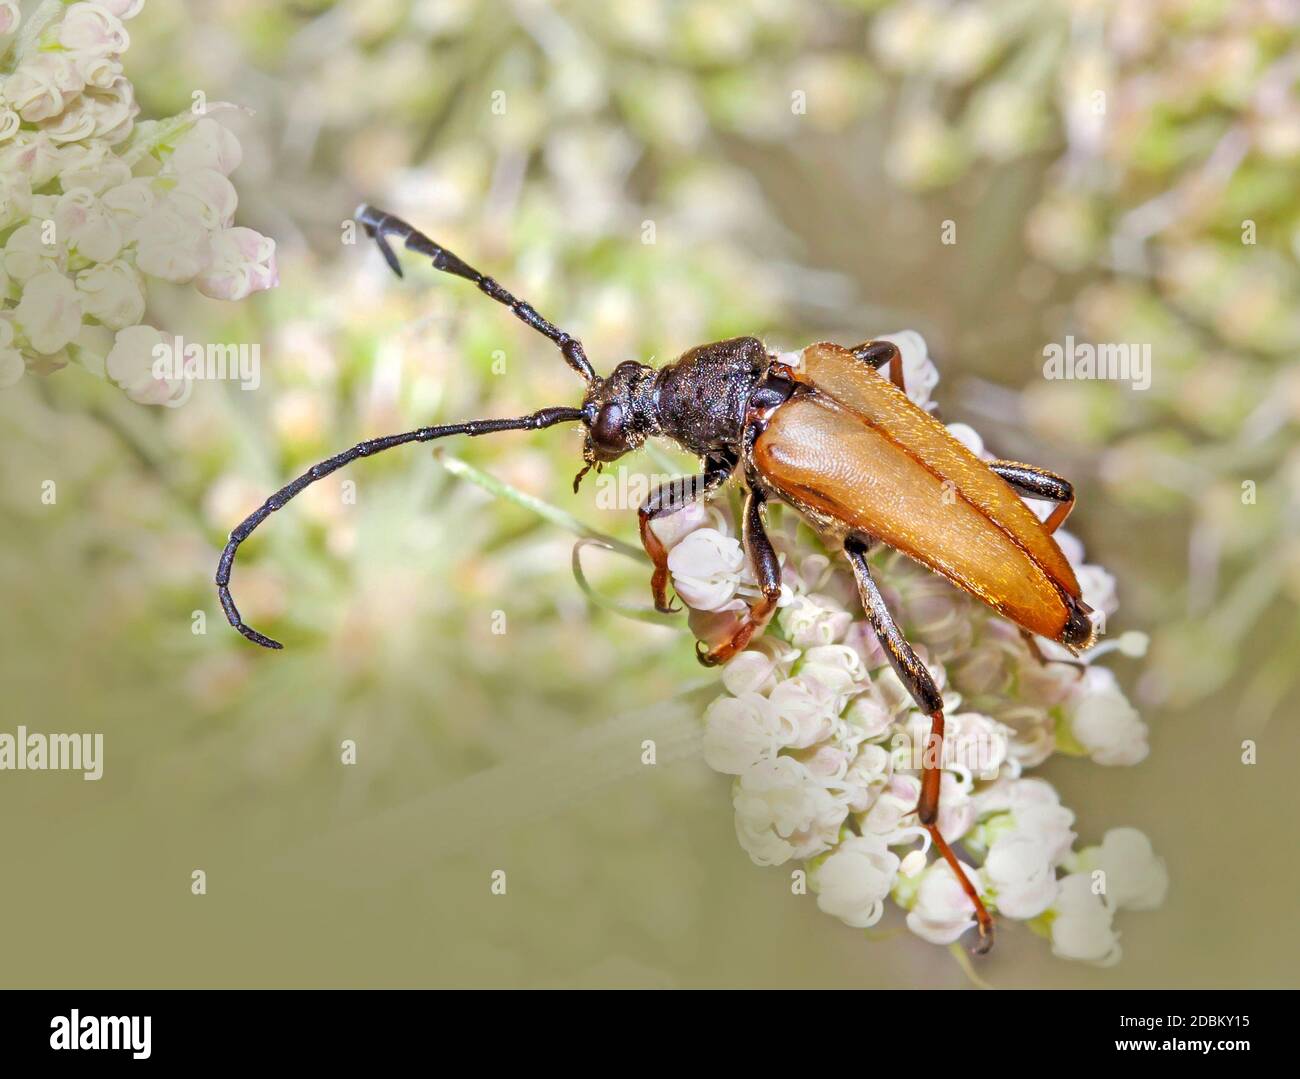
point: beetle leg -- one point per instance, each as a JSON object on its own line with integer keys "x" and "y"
{"x": 879, "y": 353}
{"x": 906, "y": 663}
{"x": 667, "y": 499}
{"x": 1033, "y": 482}
{"x": 767, "y": 568}
{"x": 918, "y": 682}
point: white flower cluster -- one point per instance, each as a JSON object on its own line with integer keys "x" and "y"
{"x": 93, "y": 205}
{"x": 825, "y": 743}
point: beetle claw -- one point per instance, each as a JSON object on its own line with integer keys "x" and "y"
{"x": 704, "y": 655}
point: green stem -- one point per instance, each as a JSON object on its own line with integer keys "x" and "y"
{"x": 636, "y": 612}
{"x": 545, "y": 510}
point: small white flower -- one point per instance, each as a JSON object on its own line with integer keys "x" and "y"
{"x": 919, "y": 373}
{"x": 869, "y": 715}
{"x": 243, "y": 262}
{"x": 10, "y": 16}
{"x": 808, "y": 707}
{"x": 895, "y": 802}
{"x": 854, "y": 880}
{"x": 113, "y": 293}
{"x": 30, "y": 154}
{"x": 42, "y": 85}
{"x": 123, "y": 9}
{"x": 131, "y": 202}
{"x": 968, "y": 437}
{"x": 87, "y": 227}
{"x": 1020, "y": 873}
{"x": 1098, "y": 588}
{"x": 1082, "y": 924}
{"x": 783, "y": 812}
{"x": 828, "y": 761}
{"x": 207, "y": 145}
{"x": 206, "y": 196}
{"x": 1135, "y": 878}
{"x": 49, "y": 313}
{"x": 942, "y": 910}
{"x": 707, "y": 567}
{"x": 809, "y": 621}
{"x": 92, "y": 167}
{"x": 836, "y": 666}
{"x": 27, "y": 257}
{"x": 132, "y": 365}
{"x": 101, "y": 72}
{"x": 956, "y": 810}
{"x": 975, "y": 743}
{"x": 92, "y": 28}
{"x": 867, "y": 776}
{"x": 171, "y": 245}
{"x": 758, "y": 668}
{"x": 740, "y": 732}
{"x": 1102, "y": 720}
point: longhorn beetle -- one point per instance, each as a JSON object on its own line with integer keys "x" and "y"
{"x": 822, "y": 431}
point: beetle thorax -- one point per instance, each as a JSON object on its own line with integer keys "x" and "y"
{"x": 703, "y": 396}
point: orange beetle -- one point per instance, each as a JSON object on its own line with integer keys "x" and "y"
{"x": 823, "y": 431}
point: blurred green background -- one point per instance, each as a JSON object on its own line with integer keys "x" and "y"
{"x": 794, "y": 164}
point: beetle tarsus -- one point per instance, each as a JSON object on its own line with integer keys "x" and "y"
{"x": 982, "y": 917}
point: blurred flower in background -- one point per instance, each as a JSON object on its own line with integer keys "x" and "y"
{"x": 95, "y": 206}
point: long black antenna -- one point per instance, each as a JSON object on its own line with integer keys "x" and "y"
{"x": 381, "y": 225}
{"x": 546, "y": 417}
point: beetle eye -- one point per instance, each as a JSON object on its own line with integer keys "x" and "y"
{"x": 607, "y": 431}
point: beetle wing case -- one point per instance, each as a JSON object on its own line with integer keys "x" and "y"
{"x": 857, "y": 452}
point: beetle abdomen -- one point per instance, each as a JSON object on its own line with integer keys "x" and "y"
{"x": 827, "y": 458}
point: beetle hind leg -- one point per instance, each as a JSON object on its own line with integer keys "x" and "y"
{"x": 880, "y": 353}
{"x": 918, "y": 682}
{"x": 1030, "y": 481}
{"x": 767, "y": 568}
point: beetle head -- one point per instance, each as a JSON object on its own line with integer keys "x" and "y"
{"x": 619, "y": 412}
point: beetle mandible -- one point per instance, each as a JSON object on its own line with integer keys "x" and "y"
{"x": 822, "y": 431}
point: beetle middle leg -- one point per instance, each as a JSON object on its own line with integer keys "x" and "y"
{"x": 667, "y": 499}
{"x": 1031, "y": 481}
{"x": 918, "y": 682}
{"x": 767, "y": 569}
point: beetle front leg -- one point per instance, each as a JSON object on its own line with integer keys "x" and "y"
{"x": 918, "y": 682}
{"x": 667, "y": 499}
{"x": 1031, "y": 481}
{"x": 767, "y": 569}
